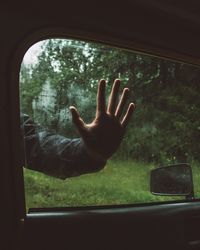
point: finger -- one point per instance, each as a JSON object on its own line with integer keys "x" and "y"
{"x": 128, "y": 115}
{"x": 79, "y": 123}
{"x": 122, "y": 103}
{"x": 113, "y": 97}
{"x": 101, "y": 97}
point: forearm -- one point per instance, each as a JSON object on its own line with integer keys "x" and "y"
{"x": 58, "y": 156}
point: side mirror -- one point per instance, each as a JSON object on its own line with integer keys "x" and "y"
{"x": 172, "y": 180}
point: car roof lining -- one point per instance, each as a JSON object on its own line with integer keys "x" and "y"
{"x": 165, "y": 29}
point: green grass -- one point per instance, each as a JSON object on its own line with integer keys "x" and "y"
{"x": 121, "y": 182}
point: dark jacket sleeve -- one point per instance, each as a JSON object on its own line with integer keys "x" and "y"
{"x": 54, "y": 154}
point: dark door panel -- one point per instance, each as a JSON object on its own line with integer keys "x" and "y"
{"x": 166, "y": 226}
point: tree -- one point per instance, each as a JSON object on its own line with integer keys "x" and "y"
{"x": 165, "y": 127}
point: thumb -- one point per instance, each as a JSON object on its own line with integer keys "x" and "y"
{"x": 78, "y": 122}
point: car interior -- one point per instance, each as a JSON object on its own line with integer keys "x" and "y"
{"x": 140, "y": 30}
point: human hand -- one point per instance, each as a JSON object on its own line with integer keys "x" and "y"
{"x": 103, "y": 136}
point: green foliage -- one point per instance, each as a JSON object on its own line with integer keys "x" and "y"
{"x": 121, "y": 182}
{"x": 165, "y": 127}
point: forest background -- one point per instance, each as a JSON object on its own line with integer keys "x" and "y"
{"x": 165, "y": 128}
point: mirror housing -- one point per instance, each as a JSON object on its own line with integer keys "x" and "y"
{"x": 172, "y": 180}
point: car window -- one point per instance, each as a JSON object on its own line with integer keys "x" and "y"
{"x": 165, "y": 129}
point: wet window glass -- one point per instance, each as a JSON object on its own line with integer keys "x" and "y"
{"x": 164, "y": 129}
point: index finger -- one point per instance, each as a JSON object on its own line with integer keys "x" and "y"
{"x": 101, "y": 105}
